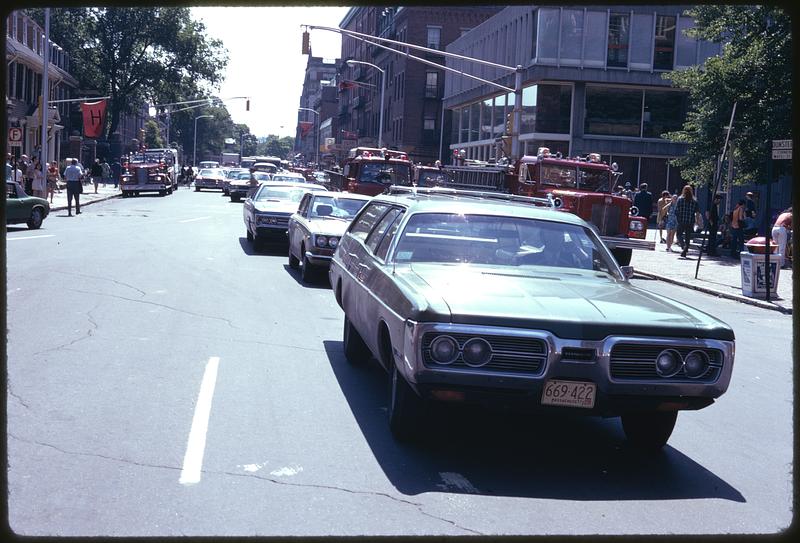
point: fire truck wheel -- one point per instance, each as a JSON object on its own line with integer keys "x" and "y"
{"x": 196, "y": 188}
{"x": 623, "y": 256}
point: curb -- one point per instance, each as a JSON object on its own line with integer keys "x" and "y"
{"x": 88, "y": 202}
{"x": 720, "y": 294}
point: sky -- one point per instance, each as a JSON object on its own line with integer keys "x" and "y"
{"x": 265, "y": 62}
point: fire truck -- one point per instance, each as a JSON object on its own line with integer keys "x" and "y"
{"x": 579, "y": 185}
{"x": 371, "y": 171}
{"x": 147, "y": 172}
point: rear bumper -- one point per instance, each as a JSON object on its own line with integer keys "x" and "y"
{"x": 613, "y": 242}
{"x": 146, "y": 188}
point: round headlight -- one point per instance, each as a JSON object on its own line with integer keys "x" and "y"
{"x": 695, "y": 364}
{"x": 444, "y": 350}
{"x": 668, "y": 363}
{"x": 477, "y": 352}
{"x": 321, "y": 241}
{"x": 333, "y": 242}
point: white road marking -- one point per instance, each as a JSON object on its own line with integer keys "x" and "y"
{"x": 287, "y": 471}
{"x": 456, "y": 481}
{"x": 193, "y": 460}
{"x": 195, "y": 219}
{"x": 252, "y": 467}
{"x": 31, "y": 237}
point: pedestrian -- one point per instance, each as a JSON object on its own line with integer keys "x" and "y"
{"x": 644, "y": 201}
{"x": 52, "y": 180}
{"x": 750, "y": 225}
{"x": 737, "y": 229}
{"x": 9, "y": 168}
{"x": 116, "y": 172}
{"x": 39, "y": 183}
{"x": 661, "y": 216}
{"x": 712, "y": 215}
{"x": 686, "y": 211}
{"x": 671, "y": 222}
{"x": 780, "y": 233}
{"x": 106, "y": 172}
{"x": 627, "y": 192}
{"x": 26, "y": 165}
{"x": 96, "y": 173}
{"x": 73, "y": 174}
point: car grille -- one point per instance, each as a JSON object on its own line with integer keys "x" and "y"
{"x": 579, "y": 355}
{"x": 509, "y": 354}
{"x": 638, "y": 362}
{"x": 606, "y": 218}
{"x": 273, "y": 220}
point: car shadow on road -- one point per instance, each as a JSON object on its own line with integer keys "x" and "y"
{"x": 319, "y": 279}
{"x": 475, "y": 451}
{"x": 280, "y": 248}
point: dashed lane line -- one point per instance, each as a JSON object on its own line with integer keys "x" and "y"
{"x": 195, "y": 448}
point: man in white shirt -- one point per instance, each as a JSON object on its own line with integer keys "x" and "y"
{"x": 73, "y": 174}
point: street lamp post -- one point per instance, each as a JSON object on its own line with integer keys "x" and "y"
{"x": 383, "y": 88}
{"x": 194, "y": 144}
{"x": 316, "y": 134}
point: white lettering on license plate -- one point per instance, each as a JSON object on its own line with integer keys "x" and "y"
{"x": 569, "y": 393}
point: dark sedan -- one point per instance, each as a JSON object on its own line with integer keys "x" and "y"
{"x": 463, "y": 298}
{"x": 266, "y": 213}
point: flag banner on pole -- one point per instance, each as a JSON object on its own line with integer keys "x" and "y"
{"x": 305, "y": 128}
{"x": 94, "y": 117}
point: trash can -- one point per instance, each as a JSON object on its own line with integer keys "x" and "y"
{"x": 754, "y": 265}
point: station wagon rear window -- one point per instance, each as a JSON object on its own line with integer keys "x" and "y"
{"x": 293, "y": 194}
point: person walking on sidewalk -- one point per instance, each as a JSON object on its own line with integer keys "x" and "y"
{"x": 643, "y": 200}
{"x": 780, "y": 233}
{"x": 661, "y": 215}
{"x": 737, "y": 229}
{"x": 97, "y": 173}
{"x": 116, "y": 172}
{"x": 52, "y": 180}
{"x": 671, "y": 221}
{"x": 73, "y": 174}
{"x": 686, "y": 211}
{"x": 106, "y": 172}
{"x": 712, "y": 215}
{"x": 39, "y": 184}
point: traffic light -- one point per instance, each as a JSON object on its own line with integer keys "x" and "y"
{"x": 306, "y": 45}
{"x": 510, "y": 123}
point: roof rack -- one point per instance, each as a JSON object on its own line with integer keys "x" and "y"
{"x": 447, "y": 191}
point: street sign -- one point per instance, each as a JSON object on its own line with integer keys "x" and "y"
{"x": 14, "y": 137}
{"x": 781, "y": 154}
{"x": 781, "y": 144}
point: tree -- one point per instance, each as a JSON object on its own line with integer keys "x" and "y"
{"x": 137, "y": 55}
{"x": 272, "y": 145}
{"x": 152, "y": 135}
{"x": 753, "y": 71}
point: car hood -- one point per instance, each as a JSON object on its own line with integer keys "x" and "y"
{"x": 280, "y": 206}
{"x": 329, "y": 227}
{"x": 580, "y": 306}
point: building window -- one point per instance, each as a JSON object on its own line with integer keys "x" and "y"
{"x": 431, "y": 84}
{"x": 474, "y": 121}
{"x": 613, "y": 111}
{"x": 618, "y": 36}
{"x": 664, "y": 111}
{"x": 499, "y": 115}
{"x": 553, "y": 107}
{"x": 429, "y": 123}
{"x": 571, "y": 36}
{"x": 434, "y": 37}
{"x": 664, "y": 42}
{"x": 464, "y": 114}
{"x": 486, "y": 119}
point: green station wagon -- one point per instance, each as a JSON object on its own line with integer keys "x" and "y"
{"x": 462, "y": 297}
{"x": 23, "y": 208}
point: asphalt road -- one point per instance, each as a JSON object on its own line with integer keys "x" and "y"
{"x": 164, "y": 379}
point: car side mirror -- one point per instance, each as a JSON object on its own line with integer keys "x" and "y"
{"x": 627, "y": 272}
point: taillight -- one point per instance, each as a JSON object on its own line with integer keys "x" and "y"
{"x": 352, "y": 186}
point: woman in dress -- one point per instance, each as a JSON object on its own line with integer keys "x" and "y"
{"x": 52, "y": 180}
{"x": 661, "y": 217}
{"x": 39, "y": 186}
{"x": 671, "y": 222}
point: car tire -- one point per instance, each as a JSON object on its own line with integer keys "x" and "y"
{"x": 649, "y": 430}
{"x": 249, "y": 236}
{"x": 37, "y": 216}
{"x": 307, "y": 272}
{"x": 405, "y": 410}
{"x": 197, "y": 189}
{"x": 235, "y": 198}
{"x": 294, "y": 263}
{"x": 355, "y": 350}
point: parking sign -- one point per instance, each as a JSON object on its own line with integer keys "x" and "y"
{"x": 14, "y": 137}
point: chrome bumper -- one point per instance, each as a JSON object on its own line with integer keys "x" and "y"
{"x": 613, "y": 242}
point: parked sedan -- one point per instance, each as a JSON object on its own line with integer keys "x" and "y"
{"x": 23, "y": 208}
{"x": 315, "y": 229}
{"x": 245, "y": 182}
{"x": 266, "y": 213}
{"x": 209, "y": 178}
{"x": 231, "y": 174}
{"x": 466, "y": 299}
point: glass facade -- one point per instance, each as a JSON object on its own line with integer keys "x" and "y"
{"x": 618, "y": 35}
{"x": 571, "y": 36}
{"x": 553, "y": 108}
{"x": 486, "y": 119}
{"x": 474, "y": 121}
{"x": 613, "y": 111}
{"x": 664, "y": 111}
{"x": 499, "y": 115}
{"x": 664, "y": 42}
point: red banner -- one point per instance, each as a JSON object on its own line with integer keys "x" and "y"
{"x": 305, "y": 128}
{"x": 94, "y": 118}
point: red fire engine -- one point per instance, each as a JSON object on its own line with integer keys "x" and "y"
{"x": 580, "y": 185}
{"x": 371, "y": 171}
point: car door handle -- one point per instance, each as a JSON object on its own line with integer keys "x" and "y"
{"x": 362, "y": 265}
{"x": 353, "y": 255}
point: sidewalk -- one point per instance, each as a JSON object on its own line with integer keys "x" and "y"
{"x": 88, "y": 196}
{"x": 720, "y": 276}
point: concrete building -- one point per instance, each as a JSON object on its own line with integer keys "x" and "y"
{"x": 319, "y": 94}
{"x": 592, "y": 83}
{"x": 412, "y": 112}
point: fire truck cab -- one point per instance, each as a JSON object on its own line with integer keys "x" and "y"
{"x": 371, "y": 171}
{"x": 145, "y": 172}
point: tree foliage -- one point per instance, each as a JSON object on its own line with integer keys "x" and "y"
{"x": 138, "y": 55}
{"x": 273, "y": 145}
{"x": 754, "y": 70}
{"x": 152, "y": 135}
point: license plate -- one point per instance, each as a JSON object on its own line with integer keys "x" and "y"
{"x": 569, "y": 393}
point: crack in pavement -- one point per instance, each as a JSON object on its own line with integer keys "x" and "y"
{"x": 418, "y": 506}
{"x": 227, "y": 321}
{"x": 15, "y": 395}
{"x": 74, "y": 341}
{"x": 140, "y": 291}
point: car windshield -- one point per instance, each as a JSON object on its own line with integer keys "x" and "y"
{"x": 386, "y": 173}
{"x": 588, "y": 179}
{"x": 259, "y": 176}
{"x": 336, "y": 207}
{"x": 292, "y": 178}
{"x": 207, "y": 172}
{"x": 500, "y": 241}
{"x": 290, "y": 194}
